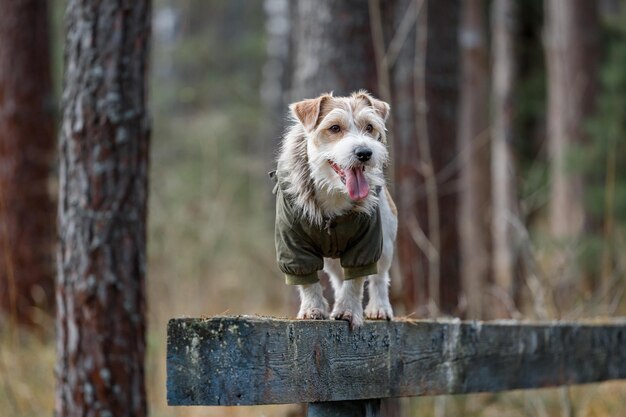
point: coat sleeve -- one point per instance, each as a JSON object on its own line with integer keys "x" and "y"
{"x": 364, "y": 249}
{"x": 297, "y": 256}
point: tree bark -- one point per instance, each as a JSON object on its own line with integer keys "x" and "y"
{"x": 504, "y": 187}
{"x": 475, "y": 174}
{"x": 425, "y": 100}
{"x": 275, "y": 89}
{"x": 277, "y": 71}
{"x": 572, "y": 56}
{"x": 405, "y": 154}
{"x": 26, "y": 148}
{"x": 333, "y": 51}
{"x": 104, "y": 145}
{"x": 333, "y": 48}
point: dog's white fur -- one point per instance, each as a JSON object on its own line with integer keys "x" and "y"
{"x": 318, "y": 192}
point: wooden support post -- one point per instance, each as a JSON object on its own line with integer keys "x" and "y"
{"x": 362, "y": 408}
{"x": 254, "y": 360}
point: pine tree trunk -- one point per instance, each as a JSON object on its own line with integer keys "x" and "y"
{"x": 275, "y": 95}
{"x": 407, "y": 181}
{"x": 425, "y": 103}
{"x": 474, "y": 157}
{"x": 26, "y": 147}
{"x": 333, "y": 51}
{"x": 104, "y": 145}
{"x": 504, "y": 187}
{"x": 277, "y": 71}
{"x": 333, "y": 48}
{"x": 572, "y": 56}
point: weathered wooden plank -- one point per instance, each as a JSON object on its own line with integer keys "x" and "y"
{"x": 254, "y": 360}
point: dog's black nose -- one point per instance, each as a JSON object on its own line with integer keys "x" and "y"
{"x": 363, "y": 154}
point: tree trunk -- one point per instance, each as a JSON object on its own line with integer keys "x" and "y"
{"x": 333, "y": 51}
{"x": 104, "y": 145}
{"x": 277, "y": 71}
{"x": 26, "y": 147}
{"x": 474, "y": 157}
{"x": 504, "y": 187}
{"x": 275, "y": 94}
{"x": 425, "y": 100}
{"x": 572, "y": 56}
{"x": 405, "y": 154}
{"x": 333, "y": 48}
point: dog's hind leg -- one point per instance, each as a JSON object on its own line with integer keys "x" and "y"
{"x": 378, "y": 307}
{"x": 313, "y": 305}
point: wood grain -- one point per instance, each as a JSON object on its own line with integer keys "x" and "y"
{"x": 254, "y": 360}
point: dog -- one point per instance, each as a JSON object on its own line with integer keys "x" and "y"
{"x": 333, "y": 211}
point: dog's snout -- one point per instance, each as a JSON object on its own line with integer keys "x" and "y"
{"x": 363, "y": 154}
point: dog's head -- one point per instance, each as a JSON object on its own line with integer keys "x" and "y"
{"x": 346, "y": 142}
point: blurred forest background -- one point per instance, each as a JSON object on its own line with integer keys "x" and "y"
{"x": 509, "y": 171}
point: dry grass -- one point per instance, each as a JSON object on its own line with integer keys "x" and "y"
{"x": 26, "y": 373}
{"x": 594, "y": 400}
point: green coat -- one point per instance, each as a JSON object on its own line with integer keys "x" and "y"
{"x": 355, "y": 238}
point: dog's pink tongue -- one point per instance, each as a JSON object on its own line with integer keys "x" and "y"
{"x": 358, "y": 187}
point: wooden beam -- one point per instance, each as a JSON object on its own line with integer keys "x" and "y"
{"x": 255, "y": 360}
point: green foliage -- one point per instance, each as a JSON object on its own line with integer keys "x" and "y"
{"x": 207, "y": 63}
{"x": 206, "y": 109}
{"x": 56, "y": 11}
{"x": 605, "y": 159}
{"x": 601, "y": 159}
{"x": 210, "y": 246}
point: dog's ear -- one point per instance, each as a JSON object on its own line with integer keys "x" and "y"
{"x": 308, "y": 111}
{"x": 381, "y": 108}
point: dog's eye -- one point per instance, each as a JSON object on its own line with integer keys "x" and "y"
{"x": 335, "y": 128}
{"x": 369, "y": 128}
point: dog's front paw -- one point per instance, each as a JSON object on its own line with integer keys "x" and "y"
{"x": 352, "y": 314}
{"x": 354, "y": 318}
{"x": 313, "y": 305}
{"x": 376, "y": 311}
{"x": 312, "y": 313}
